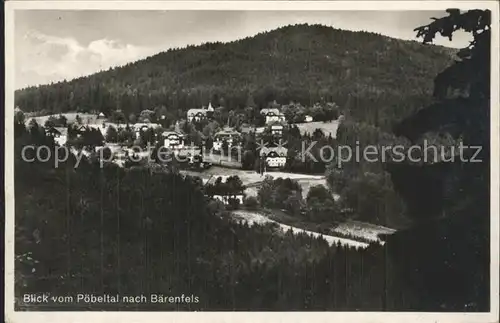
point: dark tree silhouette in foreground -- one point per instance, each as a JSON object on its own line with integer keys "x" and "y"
{"x": 446, "y": 255}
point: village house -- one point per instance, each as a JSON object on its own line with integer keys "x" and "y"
{"x": 277, "y": 130}
{"x": 274, "y": 157}
{"x": 192, "y": 156}
{"x": 252, "y": 129}
{"x": 101, "y": 127}
{"x": 308, "y": 118}
{"x": 272, "y": 115}
{"x": 81, "y": 129}
{"x": 199, "y": 114}
{"x": 60, "y": 134}
{"x": 196, "y": 114}
{"x": 173, "y": 140}
{"x": 138, "y": 127}
{"x": 228, "y": 135}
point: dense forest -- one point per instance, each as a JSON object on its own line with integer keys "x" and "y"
{"x": 131, "y": 232}
{"x": 112, "y": 230}
{"x": 376, "y": 78}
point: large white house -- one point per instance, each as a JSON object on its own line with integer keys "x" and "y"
{"x": 273, "y": 115}
{"x": 138, "y": 127}
{"x": 199, "y": 114}
{"x": 275, "y": 157}
{"x": 190, "y": 155}
{"x": 173, "y": 140}
{"x": 227, "y": 135}
{"x": 277, "y": 130}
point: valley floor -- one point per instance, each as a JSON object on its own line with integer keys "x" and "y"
{"x": 360, "y": 233}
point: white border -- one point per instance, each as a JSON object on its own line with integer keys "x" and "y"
{"x": 289, "y": 317}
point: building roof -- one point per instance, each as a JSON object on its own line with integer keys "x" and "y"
{"x": 250, "y": 129}
{"x": 112, "y": 124}
{"x": 227, "y": 132}
{"x": 84, "y": 127}
{"x": 190, "y": 151}
{"x": 247, "y": 129}
{"x": 282, "y": 151}
{"x": 148, "y": 125}
{"x": 52, "y": 130}
{"x": 259, "y": 130}
{"x": 169, "y": 133}
{"x": 63, "y": 131}
{"x": 196, "y": 111}
{"x": 272, "y": 111}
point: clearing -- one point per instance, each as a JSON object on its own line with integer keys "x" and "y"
{"x": 252, "y": 179}
{"x": 256, "y": 218}
{"x": 366, "y": 231}
{"x": 87, "y": 118}
{"x": 328, "y": 128}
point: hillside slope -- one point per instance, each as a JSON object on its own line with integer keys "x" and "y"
{"x": 373, "y": 76}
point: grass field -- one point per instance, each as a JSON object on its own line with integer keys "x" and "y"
{"x": 251, "y": 179}
{"x": 363, "y": 230}
{"x": 87, "y": 118}
{"x": 254, "y": 217}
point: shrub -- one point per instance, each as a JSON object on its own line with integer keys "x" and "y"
{"x": 251, "y": 202}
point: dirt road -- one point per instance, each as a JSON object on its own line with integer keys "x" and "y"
{"x": 257, "y": 218}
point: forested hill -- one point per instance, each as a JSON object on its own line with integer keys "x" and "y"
{"x": 360, "y": 71}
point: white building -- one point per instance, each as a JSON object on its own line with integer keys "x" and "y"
{"x": 308, "y": 118}
{"x": 60, "y": 135}
{"x": 189, "y": 154}
{"x": 199, "y": 114}
{"x": 277, "y": 130}
{"x": 228, "y": 135}
{"x": 173, "y": 140}
{"x": 273, "y": 115}
{"x": 138, "y": 127}
{"x": 275, "y": 157}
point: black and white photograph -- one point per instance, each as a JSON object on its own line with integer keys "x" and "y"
{"x": 274, "y": 157}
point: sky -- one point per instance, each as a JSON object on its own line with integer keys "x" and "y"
{"x": 53, "y": 45}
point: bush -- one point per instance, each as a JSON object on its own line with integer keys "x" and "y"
{"x": 233, "y": 203}
{"x": 251, "y": 202}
